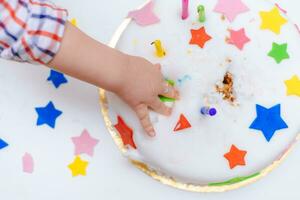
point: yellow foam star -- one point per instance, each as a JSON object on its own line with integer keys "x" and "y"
{"x": 293, "y": 86}
{"x": 73, "y": 22}
{"x": 78, "y": 167}
{"x": 272, "y": 20}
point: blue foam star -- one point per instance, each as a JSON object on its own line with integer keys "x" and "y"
{"x": 47, "y": 115}
{"x": 57, "y": 78}
{"x": 3, "y": 144}
{"x": 268, "y": 121}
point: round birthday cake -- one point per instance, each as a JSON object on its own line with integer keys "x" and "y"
{"x": 236, "y": 66}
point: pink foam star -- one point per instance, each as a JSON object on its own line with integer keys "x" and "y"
{"x": 238, "y": 38}
{"x": 84, "y": 143}
{"x": 144, "y": 16}
{"x": 231, "y": 8}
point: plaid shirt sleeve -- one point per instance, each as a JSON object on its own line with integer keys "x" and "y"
{"x": 30, "y": 30}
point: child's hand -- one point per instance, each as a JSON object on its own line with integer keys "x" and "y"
{"x": 142, "y": 83}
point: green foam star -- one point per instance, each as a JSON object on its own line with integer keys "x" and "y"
{"x": 279, "y": 52}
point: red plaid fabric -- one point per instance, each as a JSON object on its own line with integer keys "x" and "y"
{"x": 30, "y": 30}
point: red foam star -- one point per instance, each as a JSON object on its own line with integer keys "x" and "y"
{"x": 199, "y": 37}
{"x": 238, "y": 38}
{"x": 235, "y": 157}
{"x": 125, "y": 132}
{"x": 182, "y": 123}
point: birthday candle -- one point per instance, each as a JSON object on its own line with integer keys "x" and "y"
{"x": 201, "y": 12}
{"x": 185, "y": 9}
{"x": 208, "y": 111}
{"x": 160, "y": 52}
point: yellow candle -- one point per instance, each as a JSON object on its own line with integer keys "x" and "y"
{"x": 73, "y": 22}
{"x": 160, "y": 52}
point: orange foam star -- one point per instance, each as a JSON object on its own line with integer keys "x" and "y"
{"x": 199, "y": 37}
{"x": 182, "y": 123}
{"x": 125, "y": 132}
{"x": 235, "y": 157}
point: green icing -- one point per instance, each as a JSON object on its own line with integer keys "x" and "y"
{"x": 234, "y": 180}
{"x": 171, "y": 82}
{"x": 167, "y": 99}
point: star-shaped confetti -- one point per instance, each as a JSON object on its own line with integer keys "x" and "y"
{"x": 235, "y": 157}
{"x": 78, "y": 167}
{"x": 144, "y": 16}
{"x": 125, "y": 132}
{"x": 268, "y": 121}
{"x": 238, "y": 38}
{"x": 47, "y": 115}
{"x": 272, "y": 20}
{"x": 279, "y": 52}
{"x": 84, "y": 143}
{"x": 182, "y": 123}
{"x": 3, "y": 144}
{"x": 199, "y": 37}
{"x": 293, "y": 86}
{"x": 57, "y": 78}
{"x": 231, "y": 8}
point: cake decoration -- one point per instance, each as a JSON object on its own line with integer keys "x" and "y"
{"x": 73, "y": 21}
{"x": 272, "y": 20}
{"x": 235, "y": 157}
{"x": 125, "y": 132}
{"x": 279, "y": 52}
{"x": 144, "y": 16}
{"x": 201, "y": 13}
{"x": 159, "y": 50}
{"x": 280, "y": 8}
{"x": 3, "y": 144}
{"x": 28, "y": 164}
{"x": 167, "y": 99}
{"x": 238, "y": 38}
{"x": 268, "y": 121}
{"x": 208, "y": 111}
{"x": 84, "y": 143}
{"x": 234, "y": 180}
{"x": 57, "y": 78}
{"x": 227, "y": 88}
{"x": 199, "y": 37}
{"x": 185, "y": 9}
{"x": 231, "y": 8}
{"x": 185, "y": 78}
{"x": 182, "y": 123}
{"x": 293, "y": 86}
{"x": 78, "y": 167}
{"x": 47, "y": 115}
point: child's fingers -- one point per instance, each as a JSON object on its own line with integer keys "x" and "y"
{"x": 158, "y": 66}
{"x": 169, "y": 91}
{"x": 143, "y": 115}
{"x": 160, "y": 107}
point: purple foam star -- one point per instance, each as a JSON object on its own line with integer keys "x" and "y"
{"x": 144, "y": 16}
{"x": 231, "y": 8}
{"x": 84, "y": 143}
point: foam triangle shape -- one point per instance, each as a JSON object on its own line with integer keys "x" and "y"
{"x": 182, "y": 123}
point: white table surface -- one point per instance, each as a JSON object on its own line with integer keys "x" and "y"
{"x": 110, "y": 176}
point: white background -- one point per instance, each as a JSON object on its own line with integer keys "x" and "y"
{"x": 109, "y": 175}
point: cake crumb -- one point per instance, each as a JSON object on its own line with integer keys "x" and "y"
{"x": 228, "y": 60}
{"x": 223, "y": 17}
{"x": 227, "y": 88}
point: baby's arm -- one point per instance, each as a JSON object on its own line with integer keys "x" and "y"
{"x": 134, "y": 79}
{"x": 48, "y": 39}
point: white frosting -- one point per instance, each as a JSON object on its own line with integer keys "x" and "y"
{"x": 196, "y": 155}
